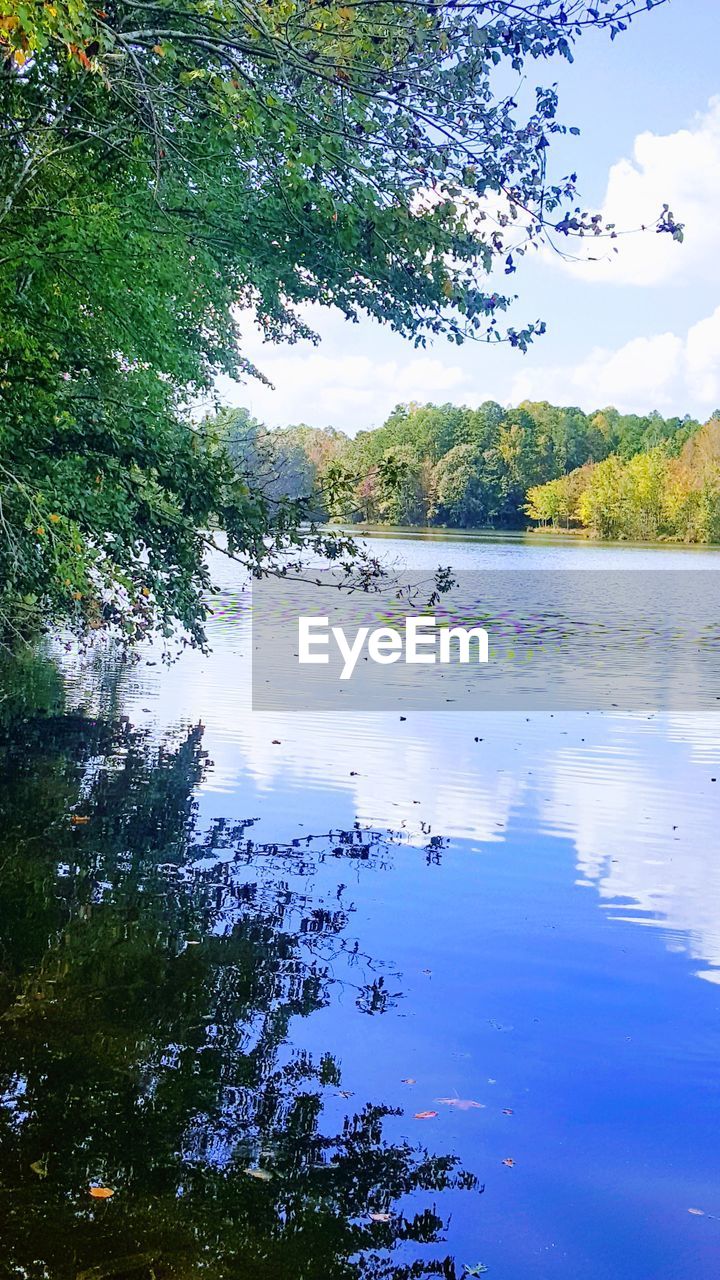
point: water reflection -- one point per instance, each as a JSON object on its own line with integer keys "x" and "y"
{"x": 235, "y": 970}
{"x": 153, "y": 968}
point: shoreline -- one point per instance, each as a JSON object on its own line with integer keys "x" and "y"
{"x": 440, "y": 533}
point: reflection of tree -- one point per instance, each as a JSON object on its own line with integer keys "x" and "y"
{"x": 148, "y": 977}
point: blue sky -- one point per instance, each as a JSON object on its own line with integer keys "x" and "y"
{"x": 641, "y": 331}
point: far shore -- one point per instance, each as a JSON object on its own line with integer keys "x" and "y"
{"x": 440, "y": 532}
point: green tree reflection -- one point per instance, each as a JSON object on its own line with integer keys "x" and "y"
{"x": 149, "y": 973}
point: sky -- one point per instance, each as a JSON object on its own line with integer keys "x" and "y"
{"x": 640, "y": 330}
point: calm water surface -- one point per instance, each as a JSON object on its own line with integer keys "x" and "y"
{"x": 355, "y": 997}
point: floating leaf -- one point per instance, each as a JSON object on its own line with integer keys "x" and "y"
{"x": 409, "y": 1080}
{"x": 509, "y": 1162}
{"x": 78, "y": 819}
{"x": 101, "y": 1193}
{"x": 508, "y": 1111}
{"x": 699, "y": 1213}
{"x": 380, "y": 1217}
{"x": 425, "y": 1115}
{"x": 40, "y": 1167}
{"x": 261, "y": 1175}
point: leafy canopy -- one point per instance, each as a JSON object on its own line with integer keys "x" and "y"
{"x": 165, "y": 167}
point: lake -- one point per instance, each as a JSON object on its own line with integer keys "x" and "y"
{"x": 320, "y": 996}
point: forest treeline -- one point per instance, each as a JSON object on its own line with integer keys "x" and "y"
{"x": 616, "y": 475}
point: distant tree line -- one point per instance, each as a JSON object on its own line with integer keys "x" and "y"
{"x": 493, "y": 466}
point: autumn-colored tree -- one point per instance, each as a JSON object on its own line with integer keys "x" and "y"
{"x": 656, "y": 493}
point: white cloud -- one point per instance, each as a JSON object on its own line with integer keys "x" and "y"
{"x": 702, "y": 359}
{"x": 661, "y": 371}
{"x": 667, "y": 371}
{"x": 681, "y": 169}
{"x": 348, "y": 391}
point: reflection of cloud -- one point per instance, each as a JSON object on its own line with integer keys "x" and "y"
{"x": 646, "y": 843}
{"x": 635, "y": 797}
{"x": 392, "y": 784}
{"x": 643, "y": 842}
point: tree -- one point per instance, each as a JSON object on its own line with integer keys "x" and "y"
{"x": 556, "y": 502}
{"x": 164, "y": 166}
{"x": 464, "y": 499}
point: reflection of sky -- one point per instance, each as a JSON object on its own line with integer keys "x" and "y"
{"x": 524, "y": 981}
{"x": 633, "y": 795}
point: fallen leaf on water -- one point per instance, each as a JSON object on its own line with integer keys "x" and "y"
{"x": 509, "y": 1162}
{"x": 345, "y": 1093}
{"x": 101, "y": 1193}
{"x": 40, "y": 1167}
{"x": 381, "y": 1217}
{"x": 276, "y": 742}
{"x": 425, "y": 1115}
{"x": 77, "y": 819}
{"x": 409, "y": 1080}
{"x": 462, "y": 1104}
{"x": 507, "y": 1111}
{"x": 699, "y": 1213}
{"x": 262, "y": 1175}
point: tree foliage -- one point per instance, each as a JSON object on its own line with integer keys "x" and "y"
{"x": 167, "y": 168}
{"x": 455, "y": 466}
{"x": 656, "y": 493}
